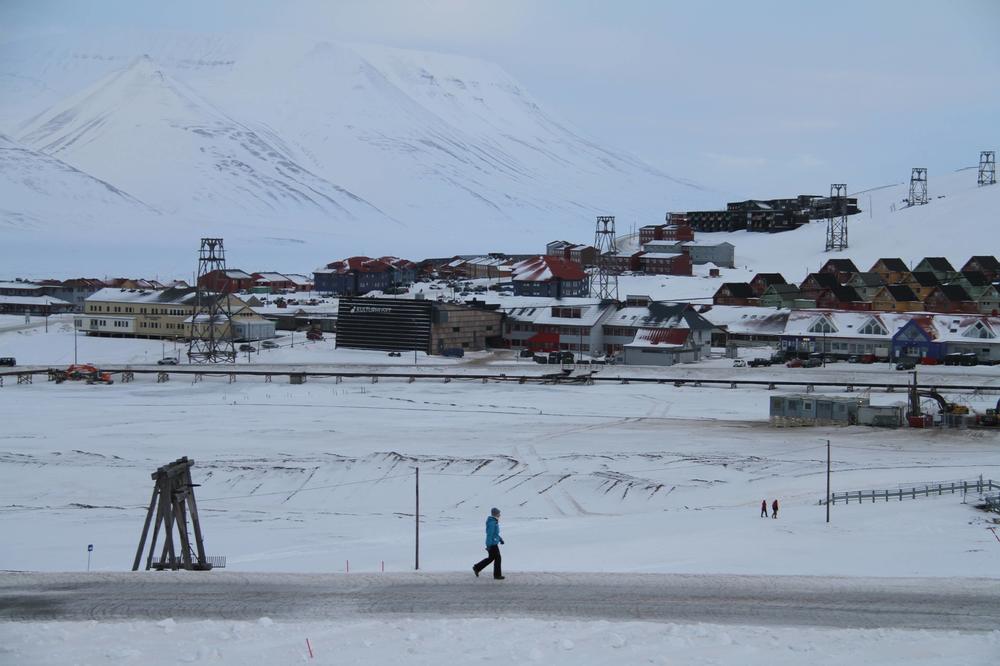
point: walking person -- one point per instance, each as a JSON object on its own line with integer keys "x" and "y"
{"x": 763, "y": 508}
{"x": 493, "y": 542}
{"x": 774, "y": 509}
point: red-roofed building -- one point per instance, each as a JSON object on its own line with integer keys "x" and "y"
{"x": 355, "y": 276}
{"x": 226, "y": 281}
{"x": 660, "y": 346}
{"x": 550, "y": 277}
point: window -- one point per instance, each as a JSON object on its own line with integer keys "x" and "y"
{"x": 822, "y": 325}
{"x": 979, "y": 330}
{"x": 455, "y": 329}
{"x": 873, "y": 327}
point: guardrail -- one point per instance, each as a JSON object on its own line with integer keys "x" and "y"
{"x": 232, "y": 372}
{"x": 977, "y": 486}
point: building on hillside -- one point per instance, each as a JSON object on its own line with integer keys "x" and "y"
{"x": 22, "y": 288}
{"x": 160, "y": 313}
{"x": 492, "y": 268}
{"x": 666, "y": 231}
{"x": 950, "y": 298}
{"x": 390, "y": 324}
{"x": 782, "y": 296}
{"x": 817, "y": 283}
{"x": 941, "y": 267}
{"x": 585, "y": 255}
{"x": 922, "y": 283}
{"x": 892, "y": 269}
{"x": 974, "y": 282}
{"x": 659, "y": 263}
{"x": 356, "y": 276}
{"x": 735, "y": 293}
{"x": 986, "y": 264}
{"x": 842, "y": 268}
{"x": 624, "y": 261}
{"x": 271, "y": 283}
{"x": 549, "y": 277}
{"x": 842, "y": 297}
{"x": 566, "y": 325}
{"x": 761, "y": 281}
{"x": 866, "y": 284}
{"x": 770, "y": 215}
{"x": 896, "y": 298}
{"x": 720, "y": 254}
{"x": 228, "y": 281}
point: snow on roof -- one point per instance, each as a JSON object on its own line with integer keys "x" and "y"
{"x": 661, "y": 255}
{"x": 272, "y": 277}
{"x": 117, "y": 295}
{"x": 25, "y": 286}
{"x": 545, "y": 268}
{"x": 590, "y": 313}
{"x": 660, "y": 338}
{"x": 298, "y": 279}
{"x": 32, "y": 300}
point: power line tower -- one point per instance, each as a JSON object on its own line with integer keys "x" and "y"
{"x": 918, "y": 187}
{"x": 987, "y": 167}
{"x": 836, "y": 223}
{"x": 604, "y": 283}
{"x": 212, "y": 323}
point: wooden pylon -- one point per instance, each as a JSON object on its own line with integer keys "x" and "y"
{"x": 172, "y": 501}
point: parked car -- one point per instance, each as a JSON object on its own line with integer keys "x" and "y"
{"x": 169, "y": 360}
{"x": 906, "y": 365}
{"x": 269, "y": 344}
{"x": 759, "y": 363}
{"x": 247, "y": 348}
{"x": 794, "y": 363}
{"x": 812, "y": 362}
{"x": 394, "y": 353}
{"x": 526, "y": 353}
{"x": 854, "y": 359}
{"x": 314, "y": 334}
{"x": 8, "y": 360}
{"x": 778, "y": 357}
{"x": 739, "y": 363}
{"x": 453, "y": 352}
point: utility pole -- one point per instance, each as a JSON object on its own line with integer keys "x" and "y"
{"x": 75, "y": 329}
{"x": 416, "y": 549}
{"x": 828, "y": 481}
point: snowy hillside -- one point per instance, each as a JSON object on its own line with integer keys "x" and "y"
{"x": 36, "y": 189}
{"x": 354, "y": 148}
{"x": 955, "y": 223}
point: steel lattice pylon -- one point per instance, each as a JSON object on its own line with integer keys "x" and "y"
{"x": 836, "y": 223}
{"x": 918, "y": 187}
{"x": 604, "y": 283}
{"x": 211, "y": 325}
{"x": 987, "y": 167}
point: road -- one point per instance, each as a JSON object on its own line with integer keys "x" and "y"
{"x": 912, "y": 603}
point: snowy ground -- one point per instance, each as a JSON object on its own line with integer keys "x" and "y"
{"x": 473, "y": 641}
{"x": 611, "y": 477}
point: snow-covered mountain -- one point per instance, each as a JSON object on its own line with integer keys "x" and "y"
{"x": 37, "y": 189}
{"x": 143, "y": 130}
{"x": 383, "y": 150}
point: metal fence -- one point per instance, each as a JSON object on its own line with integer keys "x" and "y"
{"x": 978, "y": 486}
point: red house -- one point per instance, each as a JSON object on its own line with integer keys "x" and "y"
{"x": 842, "y": 268}
{"x": 226, "y": 281}
{"x": 659, "y": 263}
{"x": 762, "y": 281}
{"x": 951, "y": 298}
{"x": 841, "y": 298}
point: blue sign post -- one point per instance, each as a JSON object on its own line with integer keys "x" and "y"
{"x": 90, "y": 549}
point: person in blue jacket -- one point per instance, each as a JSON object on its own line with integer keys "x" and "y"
{"x": 493, "y": 541}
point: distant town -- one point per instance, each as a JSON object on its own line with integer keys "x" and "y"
{"x": 546, "y": 305}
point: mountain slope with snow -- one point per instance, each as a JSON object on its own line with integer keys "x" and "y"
{"x": 36, "y": 189}
{"x": 277, "y": 135}
{"x": 140, "y": 128}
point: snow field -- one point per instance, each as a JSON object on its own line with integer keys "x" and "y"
{"x": 590, "y": 478}
{"x": 481, "y": 640}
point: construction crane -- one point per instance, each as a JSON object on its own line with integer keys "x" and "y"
{"x": 915, "y": 415}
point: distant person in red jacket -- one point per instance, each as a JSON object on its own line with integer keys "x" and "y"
{"x": 774, "y": 509}
{"x": 763, "y": 508}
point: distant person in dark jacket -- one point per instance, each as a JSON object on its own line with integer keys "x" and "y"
{"x": 774, "y": 509}
{"x": 763, "y": 508}
{"x": 493, "y": 541}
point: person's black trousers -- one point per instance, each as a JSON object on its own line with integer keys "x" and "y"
{"x": 494, "y": 557}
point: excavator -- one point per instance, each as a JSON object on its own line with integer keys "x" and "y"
{"x": 991, "y": 419}
{"x": 916, "y": 417}
{"x": 82, "y": 372}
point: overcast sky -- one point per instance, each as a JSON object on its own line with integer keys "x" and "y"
{"x": 752, "y": 98}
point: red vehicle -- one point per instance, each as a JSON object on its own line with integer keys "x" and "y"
{"x": 794, "y": 363}
{"x": 314, "y": 334}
